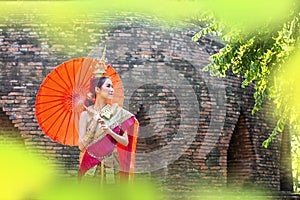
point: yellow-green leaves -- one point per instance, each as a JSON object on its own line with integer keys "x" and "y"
{"x": 260, "y": 57}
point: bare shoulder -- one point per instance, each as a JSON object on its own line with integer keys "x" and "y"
{"x": 84, "y": 114}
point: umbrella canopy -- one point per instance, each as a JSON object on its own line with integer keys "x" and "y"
{"x": 62, "y": 95}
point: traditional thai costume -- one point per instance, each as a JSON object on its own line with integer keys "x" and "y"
{"x": 103, "y": 153}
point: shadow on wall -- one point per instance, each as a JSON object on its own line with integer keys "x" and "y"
{"x": 8, "y": 132}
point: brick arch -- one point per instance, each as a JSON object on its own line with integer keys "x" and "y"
{"x": 135, "y": 45}
{"x": 8, "y": 132}
{"x": 285, "y": 162}
{"x": 240, "y": 156}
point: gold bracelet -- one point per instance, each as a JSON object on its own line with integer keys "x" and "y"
{"x": 88, "y": 136}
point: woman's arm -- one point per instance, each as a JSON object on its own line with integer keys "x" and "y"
{"x": 82, "y": 130}
{"x": 122, "y": 139}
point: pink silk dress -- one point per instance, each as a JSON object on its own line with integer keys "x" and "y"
{"x": 120, "y": 121}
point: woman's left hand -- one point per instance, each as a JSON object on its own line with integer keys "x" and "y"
{"x": 104, "y": 126}
{"x": 122, "y": 139}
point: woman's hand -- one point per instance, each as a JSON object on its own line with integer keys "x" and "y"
{"x": 105, "y": 127}
{"x": 122, "y": 139}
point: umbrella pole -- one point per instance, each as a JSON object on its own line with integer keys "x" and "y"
{"x": 102, "y": 173}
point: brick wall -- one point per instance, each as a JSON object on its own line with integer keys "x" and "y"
{"x": 241, "y": 156}
{"x": 192, "y": 131}
{"x": 8, "y": 133}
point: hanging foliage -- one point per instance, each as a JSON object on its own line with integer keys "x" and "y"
{"x": 257, "y": 57}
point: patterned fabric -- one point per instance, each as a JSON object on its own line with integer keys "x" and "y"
{"x": 103, "y": 148}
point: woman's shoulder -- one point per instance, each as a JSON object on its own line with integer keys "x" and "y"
{"x": 84, "y": 113}
{"x": 118, "y": 109}
{"x": 115, "y": 106}
{"x": 87, "y": 111}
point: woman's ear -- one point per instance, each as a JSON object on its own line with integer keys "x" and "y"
{"x": 97, "y": 89}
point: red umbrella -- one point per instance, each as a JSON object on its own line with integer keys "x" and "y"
{"x": 61, "y": 97}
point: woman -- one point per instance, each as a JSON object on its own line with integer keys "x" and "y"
{"x": 107, "y": 135}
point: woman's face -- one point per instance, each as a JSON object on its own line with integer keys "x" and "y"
{"x": 106, "y": 91}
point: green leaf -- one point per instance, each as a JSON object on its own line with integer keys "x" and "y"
{"x": 266, "y": 143}
{"x": 280, "y": 125}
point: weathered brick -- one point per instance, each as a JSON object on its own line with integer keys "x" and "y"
{"x": 163, "y": 69}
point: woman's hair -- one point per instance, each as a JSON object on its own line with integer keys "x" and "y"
{"x": 95, "y": 82}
